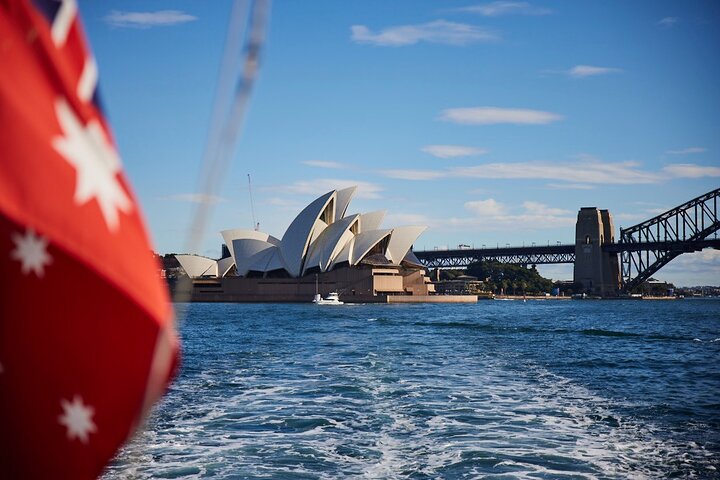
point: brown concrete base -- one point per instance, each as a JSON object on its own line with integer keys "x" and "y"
{"x": 354, "y": 285}
{"x": 432, "y": 299}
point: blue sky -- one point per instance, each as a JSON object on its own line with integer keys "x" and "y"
{"x": 490, "y": 122}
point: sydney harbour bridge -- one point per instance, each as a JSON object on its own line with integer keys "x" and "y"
{"x": 603, "y": 264}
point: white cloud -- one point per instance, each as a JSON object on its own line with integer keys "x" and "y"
{"x": 324, "y": 164}
{"x": 583, "y": 172}
{"x": 693, "y": 269}
{"x": 148, "y": 19}
{"x": 686, "y": 151}
{"x": 569, "y": 186}
{"x": 285, "y": 203}
{"x": 508, "y": 222}
{"x": 496, "y": 9}
{"x": 578, "y": 175}
{"x": 451, "y": 151}
{"x": 195, "y": 198}
{"x": 323, "y": 185}
{"x": 438, "y": 31}
{"x": 493, "y": 115}
{"x": 489, "y": 207}
{"x": 582, "y": 71}
{"x": 491, "y": 215}
{"x": 536, "y": 208}
{"x": 689, "y": 170}
{"x": 668, "y": 22}
{"x": 411, "y": 174}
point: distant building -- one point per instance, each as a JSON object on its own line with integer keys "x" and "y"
{"x": 323, "y": 249}
{"x": 460, "y": 285}
{"x": 320, "y": 239}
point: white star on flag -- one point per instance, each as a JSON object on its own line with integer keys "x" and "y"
{"x": 31, "y": 252}
{"x": 96, "y": 163}
{"x": 77, "y": 417}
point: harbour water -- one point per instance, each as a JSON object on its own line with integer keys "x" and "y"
{"x": 537, "y": 389}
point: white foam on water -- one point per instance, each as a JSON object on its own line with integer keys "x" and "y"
{"x": 366, "y": 419}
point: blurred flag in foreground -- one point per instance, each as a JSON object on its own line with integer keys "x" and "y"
{"x": 87, "y": 341}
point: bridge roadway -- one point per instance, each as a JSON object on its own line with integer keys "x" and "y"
{"x": 550, "y": 254}
{"x": 533, "y": 255}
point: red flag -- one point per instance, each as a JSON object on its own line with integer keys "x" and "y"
{"x": 87, "y": 341}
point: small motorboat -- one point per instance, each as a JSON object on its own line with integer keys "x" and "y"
{"x": 332, "y": 299}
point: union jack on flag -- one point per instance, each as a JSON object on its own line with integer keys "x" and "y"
{"x": 87, "y": 341}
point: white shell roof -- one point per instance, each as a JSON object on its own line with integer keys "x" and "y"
{"x": 329, "y": 243}
{"x": 224, "y": 265}
{"x": 365, "y": 241}
{"x": 240, "y": 233}
{"x": 320, "y": 236}
{"x": 249, "y": 251}
{"x": 197, "y": 266}
{"x": 343, "y": 200}
{"x": 345, "y": 254}
{"x": 412, "y": 258}
{"x": 296, "y": 240}
{"x": 371, "y": 220}
{"x": 268, "y": 261}
{"x": 400, "y": 242}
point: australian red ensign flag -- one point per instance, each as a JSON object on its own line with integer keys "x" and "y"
{"x": 87, "y": 341}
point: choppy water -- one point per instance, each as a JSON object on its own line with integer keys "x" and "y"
{"x": 543, "y": 389}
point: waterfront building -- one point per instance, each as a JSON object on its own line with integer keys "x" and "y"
{"x": 323, "y": 249}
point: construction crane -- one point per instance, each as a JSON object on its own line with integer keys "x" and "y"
{"x": 256, "y": 225}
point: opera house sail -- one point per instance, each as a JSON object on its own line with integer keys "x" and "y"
{"x": 323, "y": 248}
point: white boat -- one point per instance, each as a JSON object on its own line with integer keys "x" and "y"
{"x": 332, "y": 299}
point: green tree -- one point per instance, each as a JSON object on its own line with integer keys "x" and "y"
{"x": 506, "y": 276}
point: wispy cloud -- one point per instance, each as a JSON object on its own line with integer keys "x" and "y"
{"x": 582, "y": 172}
{"x": 438, "y": 31}
{"x": 569, "y": 186}
{"x": 489, "y": 207}
{"x": 160, "y": 18}
{"x": 582, "y": 71}
{"x": 195, "y": 198}
{"x": 494, "y": 115}
{"x": 324, "y": 164}
{"x": 686, "y": 151}
{"x": 668, "y": 22}
{"x": 323, "y": 185}
{"x": 590, "y": 172}
{"x": 493, "y": 215}
{"x": 537, "y": 208}
{"x": 496, "y": 9}
{"x": 285, "y": 204}
{"x": 690, "y": 170}
{"x": 451, "y": 151}
{"x": 413, "y": 174}
{"x": 700, "y": 268}
{"x": 510, "y": 222}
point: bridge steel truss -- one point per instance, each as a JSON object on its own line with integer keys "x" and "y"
{"x": 643, "y": 249}
{"x": 650, "y": 245}
{"x": 462, "y": 258}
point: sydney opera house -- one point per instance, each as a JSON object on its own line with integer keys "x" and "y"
{"x": 324, "y": 249}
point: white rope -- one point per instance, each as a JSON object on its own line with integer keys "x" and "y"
{"x": 241, "y": 58}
